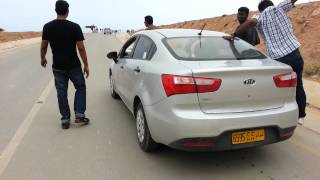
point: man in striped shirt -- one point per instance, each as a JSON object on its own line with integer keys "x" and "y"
{"x": 275, "y": 27}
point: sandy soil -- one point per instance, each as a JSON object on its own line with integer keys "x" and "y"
{"x": 122, "y": 37}
{"x": 14, "y": 36}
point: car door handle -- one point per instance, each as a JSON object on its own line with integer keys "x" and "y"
{"x": 137, "y": 69}
{"x": 121, "y": 67}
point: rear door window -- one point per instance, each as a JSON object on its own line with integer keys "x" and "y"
{"x": 145, "y": 49}
{"x": 128, "y": 48}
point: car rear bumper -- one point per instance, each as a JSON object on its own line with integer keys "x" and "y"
{"x": 172, "y": 124}
{"x": 224, "y": 141}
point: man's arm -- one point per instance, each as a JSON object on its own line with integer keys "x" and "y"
{"x": 251, "y": 23}
{"x": 243, "y": 28}
{"x": 258, "y": 40}
{"x": 83, "y": 54}
{"x": 286, "y": 5}
{"x": 257, "y": 37}
{"x": 43, "y": 52}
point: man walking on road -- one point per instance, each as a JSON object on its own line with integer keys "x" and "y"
{"x": 65, "y": 37}
{"x": 251, "y": 35}
{"x": 148, "y": 22}
{"x": 282, "y": 45}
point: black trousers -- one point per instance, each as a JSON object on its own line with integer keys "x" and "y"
{"x": 295, "y": 60}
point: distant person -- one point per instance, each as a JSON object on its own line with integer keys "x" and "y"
{"x": 148, "y": 22}
{"x": 282, "y": 45}
{"x": 251, "y": 35}
{"x": 65, "y": 37}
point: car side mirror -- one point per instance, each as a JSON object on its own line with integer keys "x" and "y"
{"x": 113, "y": 55}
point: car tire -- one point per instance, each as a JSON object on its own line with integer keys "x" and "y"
{"x": 113, "y": 93}
{"x": 145, "y": 140}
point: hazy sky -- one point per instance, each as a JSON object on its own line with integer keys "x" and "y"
{"x": 30, "y": 15}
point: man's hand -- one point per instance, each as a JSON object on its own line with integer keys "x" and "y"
{"x": 44, "y": 62}
{"x": 229, "y": 38}
{"x": 293, "y": 1}
{"x": 43, "y": 52}
{"x": 86, "y": 71}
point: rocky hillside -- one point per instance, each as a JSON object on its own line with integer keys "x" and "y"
{"x": 306, "y": 23}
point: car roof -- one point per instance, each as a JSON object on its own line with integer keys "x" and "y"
{"x": 169, "y": 33}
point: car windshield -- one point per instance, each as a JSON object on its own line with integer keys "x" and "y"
{"x": 211, "y": 48}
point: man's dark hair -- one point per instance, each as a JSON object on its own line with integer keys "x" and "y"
{"x": 62, "y": 7}
{"x": 148, "y": 20}
{"x": 264, "y": 4}
{"x": 244, "y": 9}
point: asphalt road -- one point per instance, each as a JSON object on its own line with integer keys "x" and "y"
{"x": 33, "y": 146}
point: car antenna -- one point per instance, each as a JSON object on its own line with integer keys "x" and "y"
{"x": 200, "y": 33}
{"x": 204, "y": 25}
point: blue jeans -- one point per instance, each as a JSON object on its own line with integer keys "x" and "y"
{"x": 295, "y": 60}
{"x": 62, "y": 78}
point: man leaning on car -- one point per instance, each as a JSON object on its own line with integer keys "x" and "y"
{"x": 282, "y": 45}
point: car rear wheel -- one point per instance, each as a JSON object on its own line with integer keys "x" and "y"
{"x": 114, "y": 94}
{"x": 145, "y": 140}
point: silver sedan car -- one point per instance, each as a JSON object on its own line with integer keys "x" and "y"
{"x": 199, "y": 92}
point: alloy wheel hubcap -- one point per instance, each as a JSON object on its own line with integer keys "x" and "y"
{"x": 140, "y": 125}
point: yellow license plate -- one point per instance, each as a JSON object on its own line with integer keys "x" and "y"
{"x": 248, "y": 136}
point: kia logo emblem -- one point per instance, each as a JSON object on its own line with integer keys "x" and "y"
{"x": 251, "y": 82}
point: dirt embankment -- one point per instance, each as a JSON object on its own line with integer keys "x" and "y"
{"x": 14, "y": 36}
{"x": 305, "y": 21}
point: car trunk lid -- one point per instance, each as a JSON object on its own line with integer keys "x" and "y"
{"x": 247, "y": 85}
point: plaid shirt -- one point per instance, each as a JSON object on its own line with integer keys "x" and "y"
{"x": 276, "y": 29}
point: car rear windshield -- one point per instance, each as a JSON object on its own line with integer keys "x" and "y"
{"x": 211, "y": 48}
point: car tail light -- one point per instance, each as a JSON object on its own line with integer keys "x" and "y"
{"x": 286, "y": 80}
{"x": 187, "y": 84}
{"x": 207, "y": 84}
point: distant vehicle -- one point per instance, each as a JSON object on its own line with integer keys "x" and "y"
{"x": 107, "y": 31}
{"x": 92, "y": 27}
{"x": 201, "y": 92}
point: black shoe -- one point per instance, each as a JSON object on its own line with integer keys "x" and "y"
{"x": 82, "y": 120}
{"x": 65, "y": 125}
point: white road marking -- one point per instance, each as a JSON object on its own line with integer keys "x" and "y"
{"x": 11, "y": 148}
